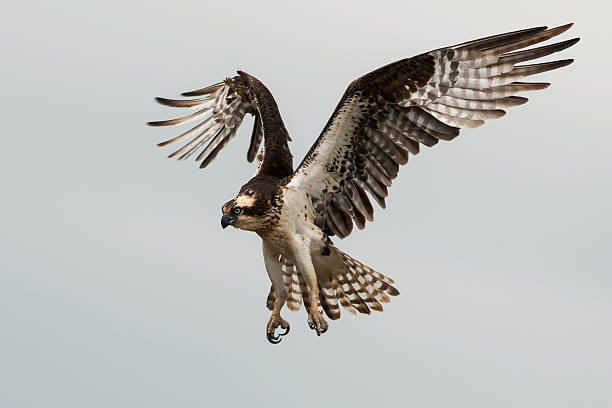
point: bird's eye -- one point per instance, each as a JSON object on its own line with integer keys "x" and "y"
{"x": 237, "y": 210}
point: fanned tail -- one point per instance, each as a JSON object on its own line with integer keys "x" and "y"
{"x": 363, "y": 287}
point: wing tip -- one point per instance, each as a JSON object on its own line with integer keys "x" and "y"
{"x": 171, "y": 155}
{"x": 190, "y": 93}
{"x": 165, "y": 143}
{"x": 533, "y": 86}
{"x": 168, "y": 122}
{"x": 561, "y": 63}
{"x": 166, "y": 101}
{"x": 567, "y": 43}
{"x": 563, "y": 28}
{"x": 204, "y": 91}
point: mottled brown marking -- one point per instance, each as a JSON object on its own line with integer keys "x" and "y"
{"x": 381, "y": 123}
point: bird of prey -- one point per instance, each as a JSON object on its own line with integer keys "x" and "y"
{"x": 383, "y": 118}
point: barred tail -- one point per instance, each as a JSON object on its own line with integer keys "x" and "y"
{"x": 362, "y": 288}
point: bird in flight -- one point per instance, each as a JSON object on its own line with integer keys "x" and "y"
{"x": 383, "y": 118}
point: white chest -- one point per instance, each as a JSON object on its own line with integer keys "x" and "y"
{"x": 295, "y": 224}
{"x": 297, "y": 214}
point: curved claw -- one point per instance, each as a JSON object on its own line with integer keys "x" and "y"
{"x": 317, "y": 323}
{"x": 285, "y": 333}
{"x": 274, "y": 339}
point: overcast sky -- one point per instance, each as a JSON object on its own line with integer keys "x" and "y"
{"x": 118, "y": 287}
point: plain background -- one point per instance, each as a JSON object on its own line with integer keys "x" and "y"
{"x": 118, "y": 287}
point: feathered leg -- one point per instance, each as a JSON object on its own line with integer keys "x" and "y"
{"x": 273, "y": 267}
{"x": 306, "y": 269}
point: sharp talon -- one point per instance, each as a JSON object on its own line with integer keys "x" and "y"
{"x": 324, "y": 330}
{"x": 318, "y": 333}
{"x": 285, "y": 333}
{"x": 274, "y": 340}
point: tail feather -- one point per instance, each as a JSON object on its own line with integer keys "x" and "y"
{"x": 374, "y": 285}
{"x": 345, "y": 301}
{"x": 364, "y": 294}
{"x": 350, "y": 288}
{"x": 355, "y": 286}
{"x": 304, "y": 292}
{"x": 329, "y": 300}
{"x": 292, "y": 284}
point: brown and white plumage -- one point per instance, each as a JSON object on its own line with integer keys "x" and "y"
{"x": 386, "y": 115}
{"x": 220, "y": 112}
{"x": 382, "y": 119}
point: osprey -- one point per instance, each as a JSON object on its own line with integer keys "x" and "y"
{"x": 382, "y": 118}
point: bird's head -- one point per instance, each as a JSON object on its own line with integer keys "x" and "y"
{"x": 245, "y": 211}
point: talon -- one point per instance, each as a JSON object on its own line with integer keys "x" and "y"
{"x": 274, "y": 323}
{"x": 274, "y": 340}
{"x": 317, "y": 322}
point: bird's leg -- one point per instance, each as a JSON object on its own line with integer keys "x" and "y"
{"x": 273, "y": 267}
{"x": 306, "y": 268}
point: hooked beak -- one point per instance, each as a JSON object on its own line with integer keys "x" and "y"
{"x": 227, "y": 219}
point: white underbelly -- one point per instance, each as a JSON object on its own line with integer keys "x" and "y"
{"x": 295, "y": 227}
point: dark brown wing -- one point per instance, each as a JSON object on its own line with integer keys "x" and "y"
{"x": 220, "y": 112}
{"x": 387, "y": 114}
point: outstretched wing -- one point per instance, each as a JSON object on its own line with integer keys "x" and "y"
{"x": 219, "y": 113}
{"x": 387, "y": 114}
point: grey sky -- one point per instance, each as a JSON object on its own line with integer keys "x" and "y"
{"x": 118, "y": 287}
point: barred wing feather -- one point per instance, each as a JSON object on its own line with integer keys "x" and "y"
{"x": 219, "y": 114}
{"x": 387, "y": 114}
